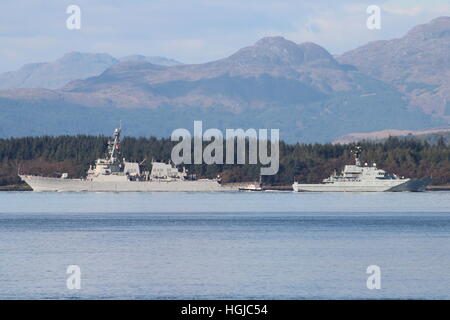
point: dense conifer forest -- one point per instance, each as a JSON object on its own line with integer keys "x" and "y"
{"x": 51, "y": 156}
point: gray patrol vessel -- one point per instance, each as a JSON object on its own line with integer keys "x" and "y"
{"x": 363, "y": 178}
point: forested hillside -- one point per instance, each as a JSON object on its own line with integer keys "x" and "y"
{"x": 51, "y": 156}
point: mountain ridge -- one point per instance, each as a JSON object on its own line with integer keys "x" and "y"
{"x": 417, "y": 64}
{"x": 384, "y": 134}
{"x": 71, "y": 66}
{"x": 274, "y": 83}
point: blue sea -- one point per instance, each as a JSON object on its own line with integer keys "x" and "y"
{"x": 271, "y": 245}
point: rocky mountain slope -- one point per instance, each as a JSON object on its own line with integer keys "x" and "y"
{"x": 418, "y": 65}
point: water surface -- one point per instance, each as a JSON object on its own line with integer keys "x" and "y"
{"x": 274, "y": 245}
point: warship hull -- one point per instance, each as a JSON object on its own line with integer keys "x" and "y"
{"x": 43, "y": 184}
{"x": 366, "y": 186}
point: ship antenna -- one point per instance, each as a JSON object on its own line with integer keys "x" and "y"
{"x": 114, "y": 145}
{"x": 357, "y": 152}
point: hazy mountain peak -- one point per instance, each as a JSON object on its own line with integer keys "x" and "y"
{"x": 71, "y": 55}
{"x": 71, "y": 66}
{"x": 277, "y": 41}
{"x": 133, "y": 57}
{"x": 280, "y": 51}
{"x": 417, "y": 64}
{"x": 29, "y": 67}
{"x": 312, "y": 51}
{"x": 85, "y": 59}
{"x": 130, "y": 66}
{"x": 153, "y": 59}
{"x": 435, "y": 29}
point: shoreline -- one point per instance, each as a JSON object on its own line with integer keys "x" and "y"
{"x": 439, "y": 188}
{"x": 15, "y": 187}
{"x": 25, "y": 187}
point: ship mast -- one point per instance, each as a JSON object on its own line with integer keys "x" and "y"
{"x": 113, "y": 146}
{"x": 357, "y": 151}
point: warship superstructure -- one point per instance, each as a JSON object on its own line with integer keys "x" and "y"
{"x": 363, "y": 178}
{"x": 115, "y": 175}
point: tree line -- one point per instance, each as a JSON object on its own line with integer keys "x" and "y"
{"x": 309, "y": 163}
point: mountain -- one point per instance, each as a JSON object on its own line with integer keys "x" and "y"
{"x": 275, "y": 83}
{"x": 382, "y": 135}
{"x": 274, "y": 70}
{"x": 417, "y": 65}
{"x": 153, "y": 59}
{"x": 72, "y": 66}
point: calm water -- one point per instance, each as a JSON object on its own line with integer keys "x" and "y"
{"x": 230, "y": 245}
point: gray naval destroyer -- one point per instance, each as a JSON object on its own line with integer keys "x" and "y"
{"x": 359, "y": 178}
{"x": 110, "y": 174}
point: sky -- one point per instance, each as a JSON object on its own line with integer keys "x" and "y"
{"x": 196, "y": 31}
